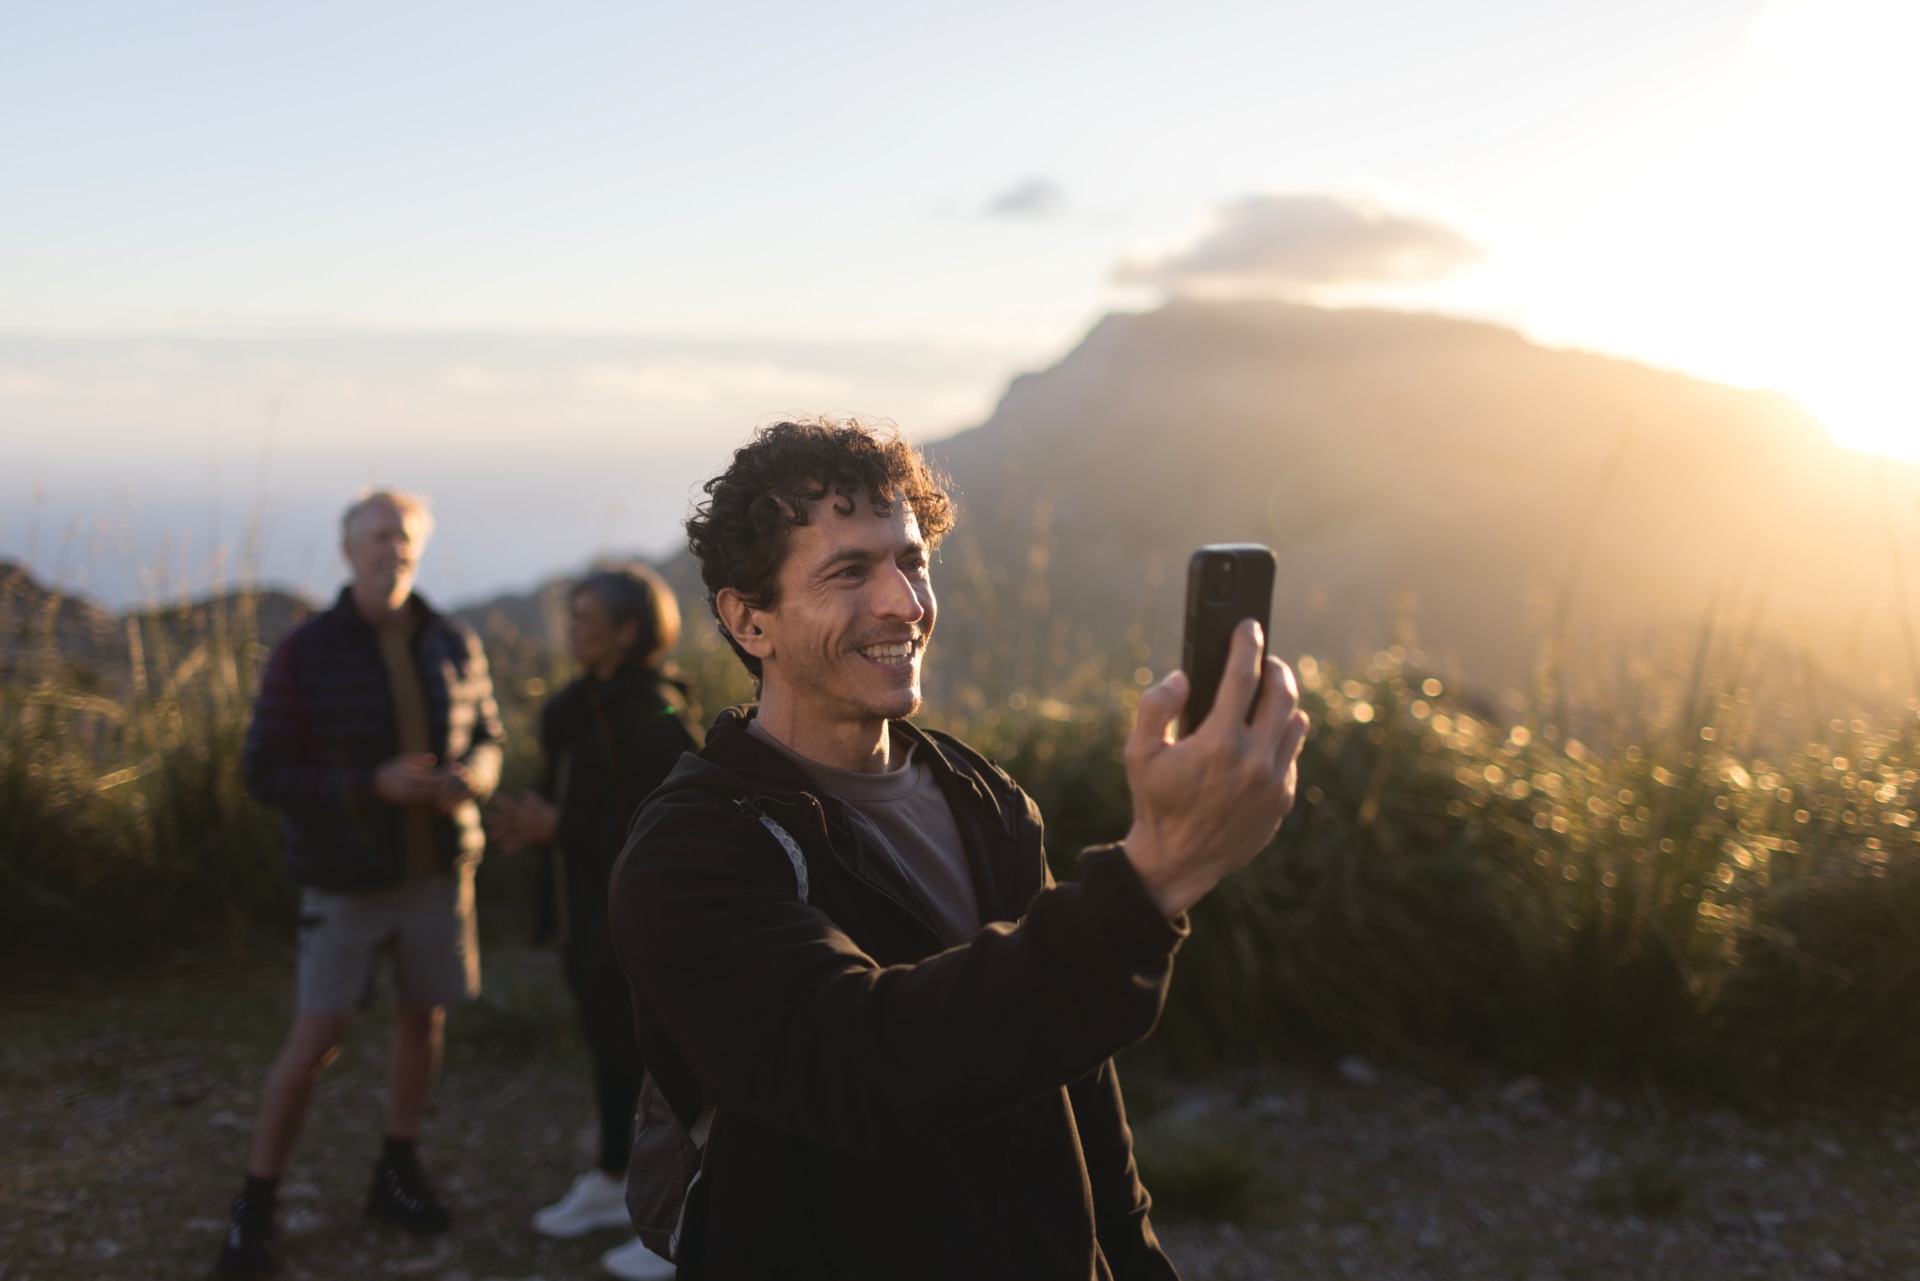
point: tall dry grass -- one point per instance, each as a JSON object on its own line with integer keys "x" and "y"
{"x": 1687, "y": 898}
{"x": 125, "y": 830}
{"x": 1687, "y": 876}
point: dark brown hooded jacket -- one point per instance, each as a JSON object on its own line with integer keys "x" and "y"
{"x": 888, "y": 1107}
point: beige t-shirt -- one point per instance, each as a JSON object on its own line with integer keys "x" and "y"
{"x": 410, "y": 721}
{"x": 905, "y": 814}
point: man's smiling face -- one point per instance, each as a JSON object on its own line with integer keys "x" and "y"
{"x": 855, "y": 611}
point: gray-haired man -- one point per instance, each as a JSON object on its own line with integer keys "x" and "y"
{"x": 375, "y": 734}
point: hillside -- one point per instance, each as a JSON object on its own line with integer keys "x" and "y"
{"x": 31, "y": 615}
{"x": 1436, "y": 480}
{"x": 1441, "y": 470}
{"x": 95, "y": 646}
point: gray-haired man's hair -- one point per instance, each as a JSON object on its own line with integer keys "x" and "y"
{"x": 411, "y": 507}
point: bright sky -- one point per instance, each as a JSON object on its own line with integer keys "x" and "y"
{"x": 1722, "y": 186}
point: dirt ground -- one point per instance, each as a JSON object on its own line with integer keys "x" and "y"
{"x": 125, "y": 1113}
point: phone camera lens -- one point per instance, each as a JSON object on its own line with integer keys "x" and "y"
{"x": 1219, "y": 579}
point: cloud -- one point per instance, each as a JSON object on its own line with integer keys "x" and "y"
{"x": 1305, "y": 240}
{"x": 689, "y": 380}
{"x": 1030, "y": 198}
{"x": 15, "y": 385}
{"x": 487, "y": 380}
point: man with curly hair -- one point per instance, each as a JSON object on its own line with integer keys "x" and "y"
{"x": 852, "y": 973}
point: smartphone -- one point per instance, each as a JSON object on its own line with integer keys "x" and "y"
{"x": 1226, "y": 584}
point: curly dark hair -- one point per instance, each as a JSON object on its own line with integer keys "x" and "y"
{"x": 741, "y": 532}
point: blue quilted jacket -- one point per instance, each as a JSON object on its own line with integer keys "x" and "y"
{"x": 324, "y": 723}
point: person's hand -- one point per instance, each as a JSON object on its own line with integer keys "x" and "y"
{"x": 518, "y": 822}
{"x": 409, "y": 779}
{"x": 452, "y": 787}
{"x": 1205, "y": 805}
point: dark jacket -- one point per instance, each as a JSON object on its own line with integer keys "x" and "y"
{"x": 889, "y": 1107}
{"x": 324, "y": 723}
{"x": 605, "y": 746}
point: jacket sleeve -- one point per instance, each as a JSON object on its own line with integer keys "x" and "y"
{"x": 1120, "y": 1203}
{"x": 782, "y": 1017}
{"x": 485, "y": 750}
{"x": 283, "y": 762}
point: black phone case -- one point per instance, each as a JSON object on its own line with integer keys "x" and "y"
{"x": 1214, "y": 610}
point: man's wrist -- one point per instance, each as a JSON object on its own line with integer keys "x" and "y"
{"x": 1172, "y": 888}
{"x": 1132, "y": 921}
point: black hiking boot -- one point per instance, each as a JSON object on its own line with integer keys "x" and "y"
{"x": 402, "y": 1195}
{"x": 248, "y": 1249}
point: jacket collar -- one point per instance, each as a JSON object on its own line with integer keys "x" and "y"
{"x": 735, "y": 762}
{"x": 344, "y": 609}
{"x": 730, "y": 746}
{"x": 630, "y": 675}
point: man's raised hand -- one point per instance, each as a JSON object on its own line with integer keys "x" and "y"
{"x": 408, "y": 779}
{"x": 1205, "y": 805}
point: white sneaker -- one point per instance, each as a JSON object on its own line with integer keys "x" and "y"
{"x": 596, "y": 1200}
{"x": 634, "y": 1262}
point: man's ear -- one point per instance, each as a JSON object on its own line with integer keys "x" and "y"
{"x": 744, "y": 623}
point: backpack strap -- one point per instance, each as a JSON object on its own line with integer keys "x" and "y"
{"x": 794, "y": 856}
{"x": 752, "y": 806}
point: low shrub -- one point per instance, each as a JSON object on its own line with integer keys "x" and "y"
{"x": 1198, "y": 1171}
{"x": 1691, "y": 893}
{"x": 1690, "y": 902}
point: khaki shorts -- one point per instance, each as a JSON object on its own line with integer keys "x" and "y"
{"x": 426, "y": 926}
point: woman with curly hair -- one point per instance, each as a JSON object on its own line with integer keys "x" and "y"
{"x": 608, "y": 739}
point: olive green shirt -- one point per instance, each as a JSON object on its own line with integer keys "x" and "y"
{"x": 410, "y": 723}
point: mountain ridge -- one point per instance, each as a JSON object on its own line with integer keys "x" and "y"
{"x": 1425, "y": 478}
{"x": 1450, "y": 465}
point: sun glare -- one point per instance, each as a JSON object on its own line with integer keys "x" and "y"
{"x": 1755, "y": 226}
{"x": 1810, "y": 176}
{"x": 1833, "y": 103}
